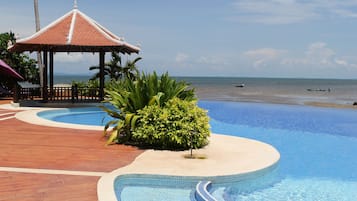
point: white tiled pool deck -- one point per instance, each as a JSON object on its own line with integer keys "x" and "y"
{"x": 224, "y": 156}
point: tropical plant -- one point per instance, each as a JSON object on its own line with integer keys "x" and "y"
{"x": 130, "y": 70}
{"x": 129, "y": 96}
{"x": 180, "y": 124}
{"x": 114, "y": 69}
{"x": 22, "y": 63}
{"x": 88, "y": 88}
{"x": 89, "y": 83}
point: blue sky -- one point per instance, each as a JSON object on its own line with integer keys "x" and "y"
{"x": 243, "y": 38}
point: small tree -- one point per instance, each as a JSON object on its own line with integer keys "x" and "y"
{"x": 130, "y": 70}
{"x": 178, "y": 125}
{"x": 21, "y": 63}
{"x": 115, "y": 70}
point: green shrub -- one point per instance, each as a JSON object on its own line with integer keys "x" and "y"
{"x": 178, "y": 125}
{"x": 128, "y": 97}
{"x": 87, "y": 88}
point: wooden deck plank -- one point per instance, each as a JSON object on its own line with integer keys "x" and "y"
{"x": 25, "y": 145}
{"x": 37, "y": 187}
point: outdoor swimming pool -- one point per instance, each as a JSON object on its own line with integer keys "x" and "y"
{"x": 317, "y": 147}
{"x": 80, "y": 115}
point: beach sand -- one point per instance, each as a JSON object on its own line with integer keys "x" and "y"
{"x": 334, "y": 105}
{"x": 333, "y": 99}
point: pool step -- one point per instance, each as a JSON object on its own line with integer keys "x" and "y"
{"x": 201, "y": 193}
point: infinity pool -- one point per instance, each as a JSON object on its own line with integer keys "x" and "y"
{"x": 317, "y": 147}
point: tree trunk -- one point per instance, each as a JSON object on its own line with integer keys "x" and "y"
{"x": 38, "y": 27}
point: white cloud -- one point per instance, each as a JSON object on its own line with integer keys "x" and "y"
{"x": 74, "y": 57}
{"x": 292, "y": 11}
{"x": 263, "y": 56}
{"x": 345, "y": 13}
{"x": 181, "y": 57}
{"x": 211, "y": 60}
{"x": 319, "y": 55}
{"x": 318, "y": 60}
{"x": 341, "y": 62}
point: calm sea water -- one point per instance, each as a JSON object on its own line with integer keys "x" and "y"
{"x": 275, "y": 90}
{"x": 67, "y": 79}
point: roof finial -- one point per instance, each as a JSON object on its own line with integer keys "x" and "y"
{"x": 75, "y": 4}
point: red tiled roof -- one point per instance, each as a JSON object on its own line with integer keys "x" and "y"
{"x": 74, "y": 32}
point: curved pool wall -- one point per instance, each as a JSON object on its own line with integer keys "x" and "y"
{"x": 179, "y": 188}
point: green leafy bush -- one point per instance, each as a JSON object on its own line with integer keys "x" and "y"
{"x": 128, "y": 97}
{"x": 179, "y": 125}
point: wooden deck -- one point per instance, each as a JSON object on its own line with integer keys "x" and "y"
{"x": 23, "y": 145}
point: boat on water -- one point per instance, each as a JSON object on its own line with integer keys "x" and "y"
{"x": 240, "y": 85}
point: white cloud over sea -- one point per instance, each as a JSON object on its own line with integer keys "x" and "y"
{"x": 318, "y": 54}
{"x": 72, "y": 57}
{"x": 292, "y": 11}
{"x": 263, "y": 56}
{"x": 317, "y": 58}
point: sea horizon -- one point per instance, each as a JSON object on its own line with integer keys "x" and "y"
{"x": 259, "y": 89}
{"x": 68, "y": 76}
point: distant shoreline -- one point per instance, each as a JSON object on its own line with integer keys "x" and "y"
{"x": 337, "y": 93}
{"x": 314, "y": 104}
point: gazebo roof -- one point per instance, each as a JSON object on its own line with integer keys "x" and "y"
{"x": 74, "y": 32}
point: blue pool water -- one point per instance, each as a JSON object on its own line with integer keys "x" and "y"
{"x": 82, "y": 115}
{"x": 317, "y": 147}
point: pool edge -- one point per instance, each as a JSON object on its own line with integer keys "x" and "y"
{"x": 106, "y": 182}
{"x": 31, "y": 117}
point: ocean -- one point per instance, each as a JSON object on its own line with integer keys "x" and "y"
{"x": 273, "y": 90}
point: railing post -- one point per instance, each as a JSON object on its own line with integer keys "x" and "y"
{"x": 16, "y": 93}
{"x": 74, "y": 92}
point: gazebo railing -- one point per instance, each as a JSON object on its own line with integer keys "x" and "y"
{"x": 65, "y": 94}
{"x": 30, "y": 93}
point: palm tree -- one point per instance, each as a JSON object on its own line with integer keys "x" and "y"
{"x": 38, "y": 27}
{"x": 112, "y": 68}
{"x": 115, "y": 70}
{"x": 130, "y": 71}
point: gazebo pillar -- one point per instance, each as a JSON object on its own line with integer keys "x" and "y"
{"x": 45, "y": 76}
{"x": 101, "y": 72}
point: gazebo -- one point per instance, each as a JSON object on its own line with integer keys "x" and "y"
{"x": 73, "y": 32}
